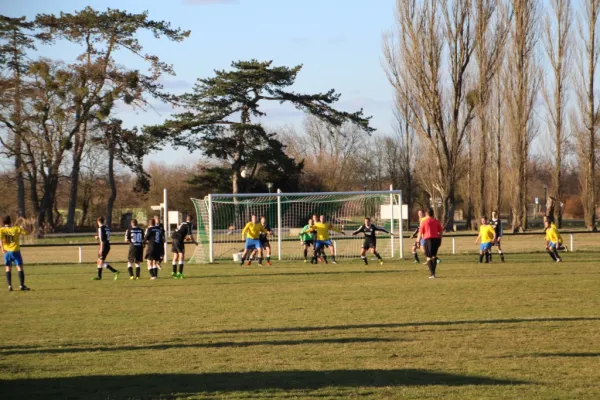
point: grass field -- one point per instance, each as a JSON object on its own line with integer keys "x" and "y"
{"x": 526, "y": 329}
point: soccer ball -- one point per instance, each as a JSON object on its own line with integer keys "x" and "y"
{"x": 244, "y": 173}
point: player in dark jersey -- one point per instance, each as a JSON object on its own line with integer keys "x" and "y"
{"x": 153, "y": 239}
{"x": 496, "y": 223}
{"x": 103, "y": 237}
{"x": 160, "y": 252}
{"x": 178, "y": 246}
{"x": 135, "y": 237}
{"x": 370, "y": 242}
{"x": 264, "y": 240}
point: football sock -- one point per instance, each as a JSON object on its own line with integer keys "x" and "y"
{"x": 552, "y": 255}
{"x": 325, "y": 257}
{"x": 487, "y": 257}
{"x": 111, "y": 269}
{"x": 490, "y": 256}
{"x": 9, "y": 278}
{"x": 480, "y": 257}
{"x": 130, "y": 270}
{"x": 501, "y": 256}
{"x": 434, "y": 261}
{"x": 99, "y": 272}
{"x": 378, "y": 255}
{"x": 268, "y": 258}
{"x": 150, "y": 271}
{"x": 333, "y": 257}
{"x": 555, "y": 251}
{"x": 416, "y": 256}
{"x": 431, "y": 265}
{"x": 175, "y": 266}
{"x": 22, "y": 277}
{"x": 181, "y": 267}
{"x": 155, "y": 271}
{"x": 260, "y": 260}
{"x": 364, "y": 258}
{"x": 137, "y": 270}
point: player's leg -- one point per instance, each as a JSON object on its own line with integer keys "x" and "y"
{"x": 260, "y": 251}
{"x": 332, "y": 249}
{"x": 415, "y": 252}
{"x": 99, "y": 263}
{"x": 376, "y": 254}
{"x": 181, "y": 262}
{"x": 266, "y": 248}
{"x": 500, "y": 252}
{"x": 175, "y": 260}
{"x": 363, "y": 253}
{"x": 427, "y": 247}
{"x": 130, "y": 261}
{"x": 555, "y": 252}
{"x": 305, "y": 251}
{"x": 550, "y": 252}
{"x": 19, "y": 263}
{"x": 8, "y": 267}
{"x": 316, "y": 251}
{"x": 106, "y": 265}
{"x": 139, "y": 256}
{"x": 435, "y": 246}
{"x": 481, "y": 253}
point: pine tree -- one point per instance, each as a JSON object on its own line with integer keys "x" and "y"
{"x": 220, "y": 112}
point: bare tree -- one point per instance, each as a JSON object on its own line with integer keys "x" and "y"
{"x": 587, "y": 120}
{"x": 523, "y": 79}
{"x": 498, "y": 127}
{"x": 557, "y": 26}
{"x": 432, "y": 37}
{"x": 491, "y": 29}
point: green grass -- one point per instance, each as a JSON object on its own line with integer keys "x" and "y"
{"x": 527, "y": 329}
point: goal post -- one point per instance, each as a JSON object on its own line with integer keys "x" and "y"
{"x": 221, "y": 218}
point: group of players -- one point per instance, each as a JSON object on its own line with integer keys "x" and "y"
{"x": 153, "y": 239}
{"x": 256, "y": 234}
{"x": 315, "y": 234}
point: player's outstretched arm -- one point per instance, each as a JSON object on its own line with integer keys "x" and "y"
{"x": 359, "y": 230}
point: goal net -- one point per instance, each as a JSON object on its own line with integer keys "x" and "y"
{"x": 221, "y": 218}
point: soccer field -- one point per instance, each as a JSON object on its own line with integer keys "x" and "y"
{"x": 526, "y": 329}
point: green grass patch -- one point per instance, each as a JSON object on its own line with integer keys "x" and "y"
{"x": 526, "y": 329}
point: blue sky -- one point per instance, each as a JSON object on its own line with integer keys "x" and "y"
{"x": 337, "y": 41}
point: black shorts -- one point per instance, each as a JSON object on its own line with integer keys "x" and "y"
{"x": 178, "y": 246}
{"x": 160, "y": 251}
{"x": 152, "y": 253}
{"x": 369, "y": 244}
{"x": 497, "y": 242}
{"x": 308, "y": 243}
{"x": 136, "y": 254}
{"x": 264, "y": 243}
{"x": 104, "y": 253}
{"x": 431, "y": 246}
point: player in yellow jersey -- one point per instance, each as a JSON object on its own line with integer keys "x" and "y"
{"x": 10, "y": 243}
{"x": 550, "y": 219}
{"x": 552, "y": 240}
{"x": 487, "y": 236}
{"x": 322, "y": 229}
{"x": 251, "y": 233}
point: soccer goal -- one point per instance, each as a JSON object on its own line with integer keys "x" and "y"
{"x": 221, "y": 218}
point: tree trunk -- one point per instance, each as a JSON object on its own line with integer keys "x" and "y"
{"x": 469, "y": 216}
{"x": 77, "y": 155}
{"x": 19, "y": 178}
{"x": 113, "y": 185}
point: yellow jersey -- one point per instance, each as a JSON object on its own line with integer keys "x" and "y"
{"x": 552, "y": 225}
{"x": 552, "y": 234}
{"x": 253, "y": 230}
{"x": 422, "y": 219}
{"x": 486, "y": 233}
{"x": 10, "y": 236}
{"x": 323, "y": 229}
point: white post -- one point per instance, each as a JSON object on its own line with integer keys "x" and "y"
{"x": 453, "y": 245}
{"x": 334, "y": 249}
{"x": 279, "y": 222}
{"x": 401, "y": 228}
{"x": 166, "y": 222}
{"x": 392, "y": 220}
{"x": 210, "y": 230}
{"x": 572, "y": 244}
{"x": 80, "y": 255}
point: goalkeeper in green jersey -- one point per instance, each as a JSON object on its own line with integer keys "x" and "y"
{"x": 306, "y": 238}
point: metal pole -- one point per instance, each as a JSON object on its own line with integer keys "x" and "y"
{"x": 279, "y": 222}
{"x": 401, "y": 228}
{"x": 166, "y": 221}
{"x": 80, "y": 255}
{"x": 392, "y": 221}
{"x": 453, "y": 245}
{"x": 211, "y": 249}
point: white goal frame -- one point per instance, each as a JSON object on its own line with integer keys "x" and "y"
{"x": 396, "y": 221}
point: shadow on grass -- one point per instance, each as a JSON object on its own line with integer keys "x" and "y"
{"x": 400, "y": 325}
{"x": 5, "y": 351}
{"x": 170, "y": 386}
{"x": 575, "y": 355}
{"x": 308, "y": 273}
